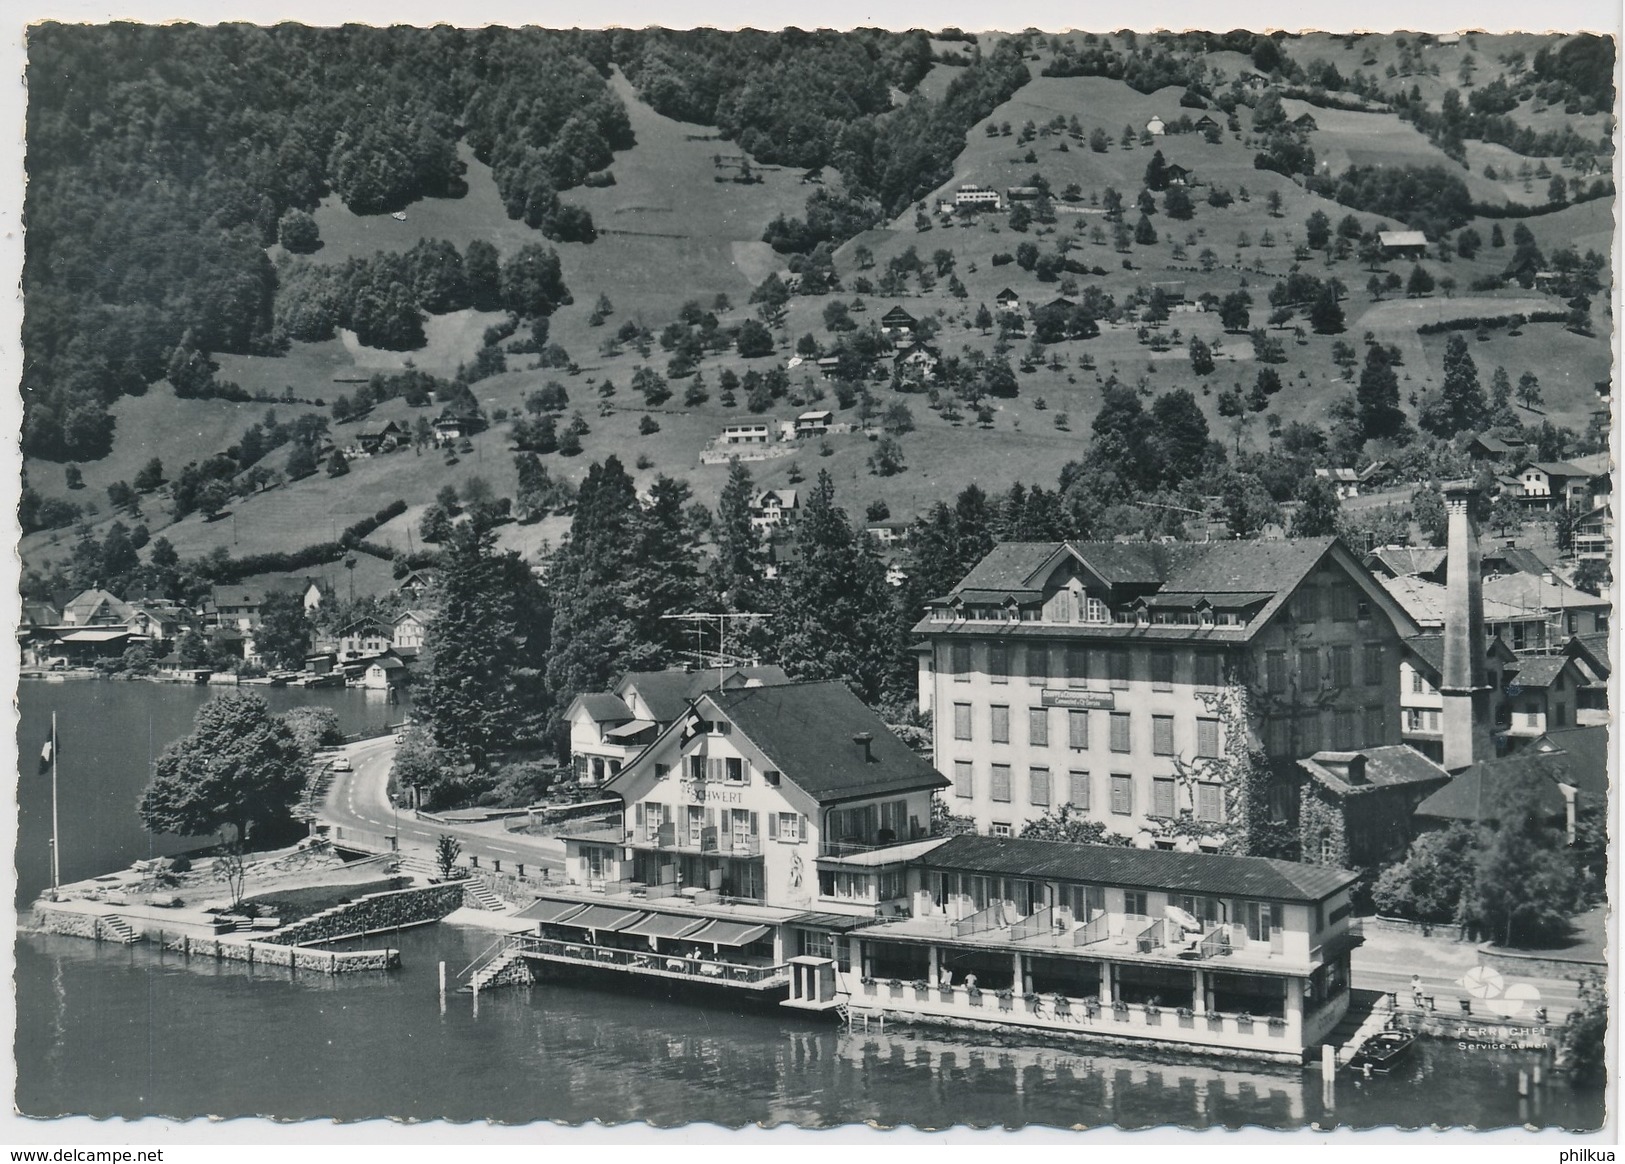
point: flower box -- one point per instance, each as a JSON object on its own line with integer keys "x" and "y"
{"x": 1061, "y": 1003}
{"x": 1006, "y": 998}
{"x": 868, "y": 986}
{"x": 1153, "y": 1015}
{"x": 1120, "y": 1011}
{"x": 1277, "y": 1026}
{"x": 1244, "y": 1022}
{"x": 973, "y": 995}
{"x": 896, "y": 985}
{"x": 1215, "y": 1021}
{"x": 922, "y": 990}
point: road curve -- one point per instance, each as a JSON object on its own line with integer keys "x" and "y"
{"x": 357, "y": 802}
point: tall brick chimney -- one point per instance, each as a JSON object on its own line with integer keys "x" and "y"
{"x": 1466, "y": 698}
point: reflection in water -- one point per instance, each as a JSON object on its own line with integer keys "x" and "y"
{"x": 131, "y": 1031}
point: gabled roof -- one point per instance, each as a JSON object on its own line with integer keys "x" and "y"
{"x": 1594, "y": 464}
{"x": 1528, "y": 594}
{"x": 1591, "y": 651}
{"x": 806, "y": 730}
{"x": 40, "y": 614}
{"x": 87, "y": 603}
{"x": 1495, "y": 444}
{"x": 1206, "y": 873}
{"x": 1427, "y": 653}
{"x": 422, "y": 616}
{"x": 1537, "y": 672}
{"x": 667, "y": 694}
{"x": 1554, "y": 468}
{"x": 1475, "y": 793}
{"x": 897, "y": 314}
{"x": 1389, "y": 766}
{"x": 1402, "y": 560}
{"x": 1006, "y": 294}
{"x": 602, "y": 706}
{"x": 1402, "y": 238}
{"x": 1588, "y": 753}
{"x": 1426, "y": 602}
{"x": 236, "y": 596}
{"x": 388, "y": 662}
{"x": 1515, "y": 559}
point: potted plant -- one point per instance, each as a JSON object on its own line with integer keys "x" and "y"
{"x": 973, "y": 994}
{"x": 1006, "y": 996}
{"x": 1061, "y": 1003}
{"x": 896, "y": 985}
{"x": 1277, "y": 1024}
{"x": 922, "y": 989}
{"x": 1120, "y": 1010}
{"x": 1187, "y": 1016}
{"x": 1153, "y": 1014}
{"x": 1244, "y": 1021}
{"x": 1091, "y": 1007}
{"x": 868, "y": 985}
{"x": 1215, "y": 1020}
{"x": 1031, "y": 999}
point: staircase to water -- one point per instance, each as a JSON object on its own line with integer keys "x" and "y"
{"x": 111, "y": 927}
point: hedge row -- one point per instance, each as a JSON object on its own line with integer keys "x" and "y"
{"x": 1603, "y": 188}
{"x": 1474, "y": 322}
{"x": 306, "y": 557}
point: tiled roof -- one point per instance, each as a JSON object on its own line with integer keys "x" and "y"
{"x": 1426, "y": 602}
{"x": 668, "y": 693}
{"x": 1517, "y": 560}
{"x": 1588, "y": 753}
{"x": 1385, "y": 767}
{"x": 1540, "y": 670}
{"x": 1402, "y": 560}
{"x": 604, "y": 707}
{"x": 1475, "y": 792}
{"x": 806, "y": 730}
{"x": 1402, "y": 238}
{"x": 1428, "y": 651}
{"x": 1205, "y": 873}
{"x": 1556, "y": 468}
{"x": 1592, "y": 651}
{"x": 1529, "y": 593}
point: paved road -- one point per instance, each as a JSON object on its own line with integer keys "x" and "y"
{"x": 358, "y": 807}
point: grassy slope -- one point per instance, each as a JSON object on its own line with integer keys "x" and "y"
{"x": 665, "y": 185}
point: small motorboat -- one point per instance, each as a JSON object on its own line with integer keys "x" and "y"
{"x": 1382, "y": 1051}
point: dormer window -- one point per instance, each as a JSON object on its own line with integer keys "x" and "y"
{"x": 1095, "y": 610}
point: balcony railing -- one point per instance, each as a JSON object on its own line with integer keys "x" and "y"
{"x": 1217, "y": 943}
{"x": 1096, "y": 930}
{"x": 713, "y": 969}
{"x": 850, "y": 847}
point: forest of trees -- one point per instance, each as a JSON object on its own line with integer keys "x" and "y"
{"x": 154, "y": 192}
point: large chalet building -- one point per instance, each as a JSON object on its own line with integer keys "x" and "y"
{"x": 1134, "y": 681}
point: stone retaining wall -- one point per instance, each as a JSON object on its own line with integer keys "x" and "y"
{"x": 370, "y": 914}
{"x": 1518, "y": 965}
{"x": 63, "y": 921}
{"x": 294, "y": 957}
{"x": 1445, "y": 931}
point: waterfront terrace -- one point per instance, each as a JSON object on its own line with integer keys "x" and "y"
{"x": 1242, "y": 953}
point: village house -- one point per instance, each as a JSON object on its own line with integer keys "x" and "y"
{"x": 1129, "y": 681}
{"x": 1156, "y": 127}
{"x": 608, "y": 728}
{"x": 1427, "y": 603}
{"x": 384, "y": 672}
{"x": 408, "y": 631}
{"x": 233, "y": 607}
{"x": 1253, "y": 81}
{"x": 1348, "y": 482}
{"x": 311, "y": 592}
{"x": 1305, "y": 122}
{"x": 747, "y": 432}
{"x": 969, "y": 197}
{"x": 1590, "y": 654}
{"x": 1178, "y": 175}
{"x": 1023, "y": 194}
{"x": 1205, "y": 123}
{"x": 772, "y": 508}
{"x": 814, "y": 423}
{"x": 1007, "y": 300}
{"x": 898, "y": 322}
{"x": 364, "y": 638}
{"x": 418, "y": 584}
{"x": 917, "y": 361}
{"x": 1543, "y": 484}
{"x": 1562, "y": 609}
{"x": 1357, "y": 807}
{"x": 454, "y": 424}
{"x": 382, "y": 440}
{"x": 1401, "y": 561}
{"x": 1402, "y": 244}
{"x": 1478, "y": 794}
{"x": 888, "y": 533}
{"x": 1489, "y": 447}
{"x": 1421, "y": 672}
{"x": 1542, "y": 695}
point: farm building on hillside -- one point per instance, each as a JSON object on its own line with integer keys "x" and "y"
{"x": 976, "y": 198}
{"x": 897, "y": 320}
{"x": 1007, "y": 300}
{"x": 1178, "y": 175}
{"x": 1403, "y": 244}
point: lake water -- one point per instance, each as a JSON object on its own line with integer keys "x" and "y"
{"x": 132, "y": 1031}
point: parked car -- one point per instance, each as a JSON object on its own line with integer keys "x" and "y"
{"x": 342, "y": 764}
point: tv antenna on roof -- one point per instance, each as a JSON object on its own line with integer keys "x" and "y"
{"x": 722, "y": 618}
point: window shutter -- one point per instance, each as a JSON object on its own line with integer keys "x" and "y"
{"x": 803, "y": 834}
{"x": 714, "y": 768}
{"x": 637, "y": 814}
{"x": 753, "y": 824}
{"x": 772, "y": 826}
{"x": 710, "y": 818}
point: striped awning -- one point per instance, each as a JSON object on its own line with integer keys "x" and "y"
{"x": 665, "y": 925}
{"x": 602, "y": 917}
{"x": 728, "y": 933}
{"x": 549, "y": 912}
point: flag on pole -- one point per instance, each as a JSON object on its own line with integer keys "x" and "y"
{"x": 47, "y": 754}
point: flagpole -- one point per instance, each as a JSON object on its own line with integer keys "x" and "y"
{"x": 56, "y": 844}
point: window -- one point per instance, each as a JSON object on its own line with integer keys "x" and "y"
{"x": 1162, "y": 670}
{"x": 787, "y": 826}
{"x": 1038, "y": 727}
{"x": 1343, "y": 729}
{"x": 1275, "y": 671}
{"x": 1079, "y": 786}
{"x": 962, "y": 721}
{"x": 1309, "y": 732}
{"x": 1037, "y": 663}
{"x": 964, "y": 782}
{"x": 1207, "y": 669}
{"x": 998, "y": 662}
{"x": 696, "y": 823}
{"x": 1077, "y": 666}
{"x": 1096, "y": 611}
{"x": 696, "y": 768}
{"x": 1162, "y": 735}
{"x": 959, "y": 662}
{"x": 1343, "y": 603}
{"x": 1001, "y": 783}
{"x": 1134, "y": 904}
{"x": 1419, "y": 685}
{"x": 1085, "y": 901}
{"x": 1118, "y": 662}
{"x": 1001, "y": 723}
{"x": 1207, "y": 738}
{"x": 1077, "y": 727}
{"x": 1209, "y": 801}
{"x": 1373, "y": 664}
{"x": 1342, "y": 666}
{"x": 1373, "y": 728}
{"x": 1120, "y": 731}
{"x": 1038, "y": 786}
{"x": 735, "y": 770}
{"x": 1000, "y": 828}
{"x": 1309, "y": 669}
{"x": 1413, "y": 719}
{"x": 1122, "y": 794}
{"x": 1560, "y": 715}
{"x": 1162, "y": 796}
{"x": 1306, "y": 605}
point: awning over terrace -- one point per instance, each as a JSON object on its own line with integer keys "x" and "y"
{"x": 550, "y": 912}
{"x": 728, "y": 933}
{"x": 666, "y": 925}
{"x": 604, "y": 918}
